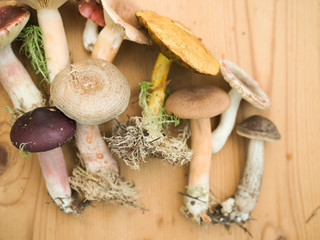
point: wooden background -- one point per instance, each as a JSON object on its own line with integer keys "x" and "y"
{"x": 277, "y": 42}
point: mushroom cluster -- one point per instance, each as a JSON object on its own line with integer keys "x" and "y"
{"x": 91, "y": 92}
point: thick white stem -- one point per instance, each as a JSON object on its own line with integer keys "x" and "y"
{"x": 197, "y": 199}
{"x": 239, "y": 207}
{"x": 17, "y": 82}
{"x": 248, "y": 190}
{"x": 220, "y": 135}
{"x": 90, "y": 35}
{"x": 54, "y": 171}
{"x": 94, "y": 152}
{"x": 54, "y": 40}
{"x": 108, "y": 43}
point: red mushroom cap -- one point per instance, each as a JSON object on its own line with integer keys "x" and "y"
{"x": 42, "y": 129}
{"x": 92, "y": 10}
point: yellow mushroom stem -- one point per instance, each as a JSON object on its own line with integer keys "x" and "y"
{"x": 158, "y": 84}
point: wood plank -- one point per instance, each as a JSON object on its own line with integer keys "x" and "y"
{"x": 278, "y": 43}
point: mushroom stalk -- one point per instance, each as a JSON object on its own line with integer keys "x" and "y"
{"x": 197, "y": 198}
{"x": 239, "y": 207}
{"x": 90, "y": 35}
{"x": 54, "y": 40}
{"x": 220, "y": 135}
{"x": 108, "y": 43}
{"x": 54, "y": 171}
{"x": 17, "y": 82}
{"x": 93, "y": 150}
{"x": 158, "y": 84}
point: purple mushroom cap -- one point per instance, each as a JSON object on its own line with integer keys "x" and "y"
{"x": 42, "y": 129}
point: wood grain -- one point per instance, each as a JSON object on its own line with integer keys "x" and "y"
{"x": 278, "y": 43}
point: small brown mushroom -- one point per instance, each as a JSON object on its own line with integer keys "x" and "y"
{"x": 198, "y": 104}
{"x": 238, "y": 208}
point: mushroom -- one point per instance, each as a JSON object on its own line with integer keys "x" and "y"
{"x": 92, "y": 92}
{"x": 243, "y": 86}
{"x": 55, "y": 41}
{"x": 93, "y": 11}
{"x": 198, "y": 104}
{"x": 238, "y": 207}
{"x": 13, "y": 76}
{"x": 25, "y": 97}
{"x": 177, "y": 44}
{"x": 121, "y": 23}
{"x": 43, "y": 130}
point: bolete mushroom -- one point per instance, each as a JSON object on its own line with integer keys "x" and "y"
{"x": 55, "y": 41}
{"x": 198, "y": 104}
{"x": 177, "y": 44}
{"x": 238, "y": 207}
{"x": 92, "y": 92}
{"x": 93, "y": 11}
{"x": 242, "y": 87}
{"x": 121, "y": 23}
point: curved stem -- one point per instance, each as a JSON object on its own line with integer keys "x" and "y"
{"x": 90, "y": 35}
{"x": 108, "y": 43}
{"x": 54, "y": 171}
{"x": 93, "y": 150}
{"x": 248, "y": 190}
{"x": 220, "y": 135}
{"x": 17, "y": 82}
{"x": 197, "y": 199}
{"x": 54, "y": 40}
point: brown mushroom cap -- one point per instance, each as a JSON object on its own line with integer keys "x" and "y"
{"x": 12, "y": 21}
{"x": 247, "y": 87}
{"x": 122, "y": 13}
{"x": 258, "y": 127}
{"x": 178, "y": 43}
{"x": 197, "y": 102}
{"x": 91, "y": 91}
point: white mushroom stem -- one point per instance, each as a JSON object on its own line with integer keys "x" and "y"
{"x": 94, "y": 152}
{"x": 90, "y": 35}
{"x": 54, "y": 171}
{"x": 17, "y": 82}
{"x": 25, "y": 96}
{"x": 197, "y": 199}
{"x": 240, "y": 206}
{"x": 220, "y": 135}
{"x": 54, "y": 40}
{"x": 108, "y": 43}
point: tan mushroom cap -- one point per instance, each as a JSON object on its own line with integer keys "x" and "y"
{"x": 122, "y": 13}
{"x": 12, "y": 21}
{"x": 247, "y": 87}
{"x": 197, "y": 102}
{"x": 258, "y": 127}
{"x": 178, "y": 43}
{"x": 91, "y": 91}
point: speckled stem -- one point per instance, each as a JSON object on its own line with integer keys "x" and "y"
{"x": 17, "y": 82}
{"x": 90, "y": 35}
{"x": 248, "y": 190}
{"x": 54, "y": 40}
{"x": 94, "y": 152}
{"x": 197, "y": 199}
{"x": 220, "y": 135}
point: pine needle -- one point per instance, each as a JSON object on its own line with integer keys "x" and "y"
{"x": 32, "y": 47}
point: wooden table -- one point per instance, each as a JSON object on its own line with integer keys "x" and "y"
{"x": 278, "y": 43}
